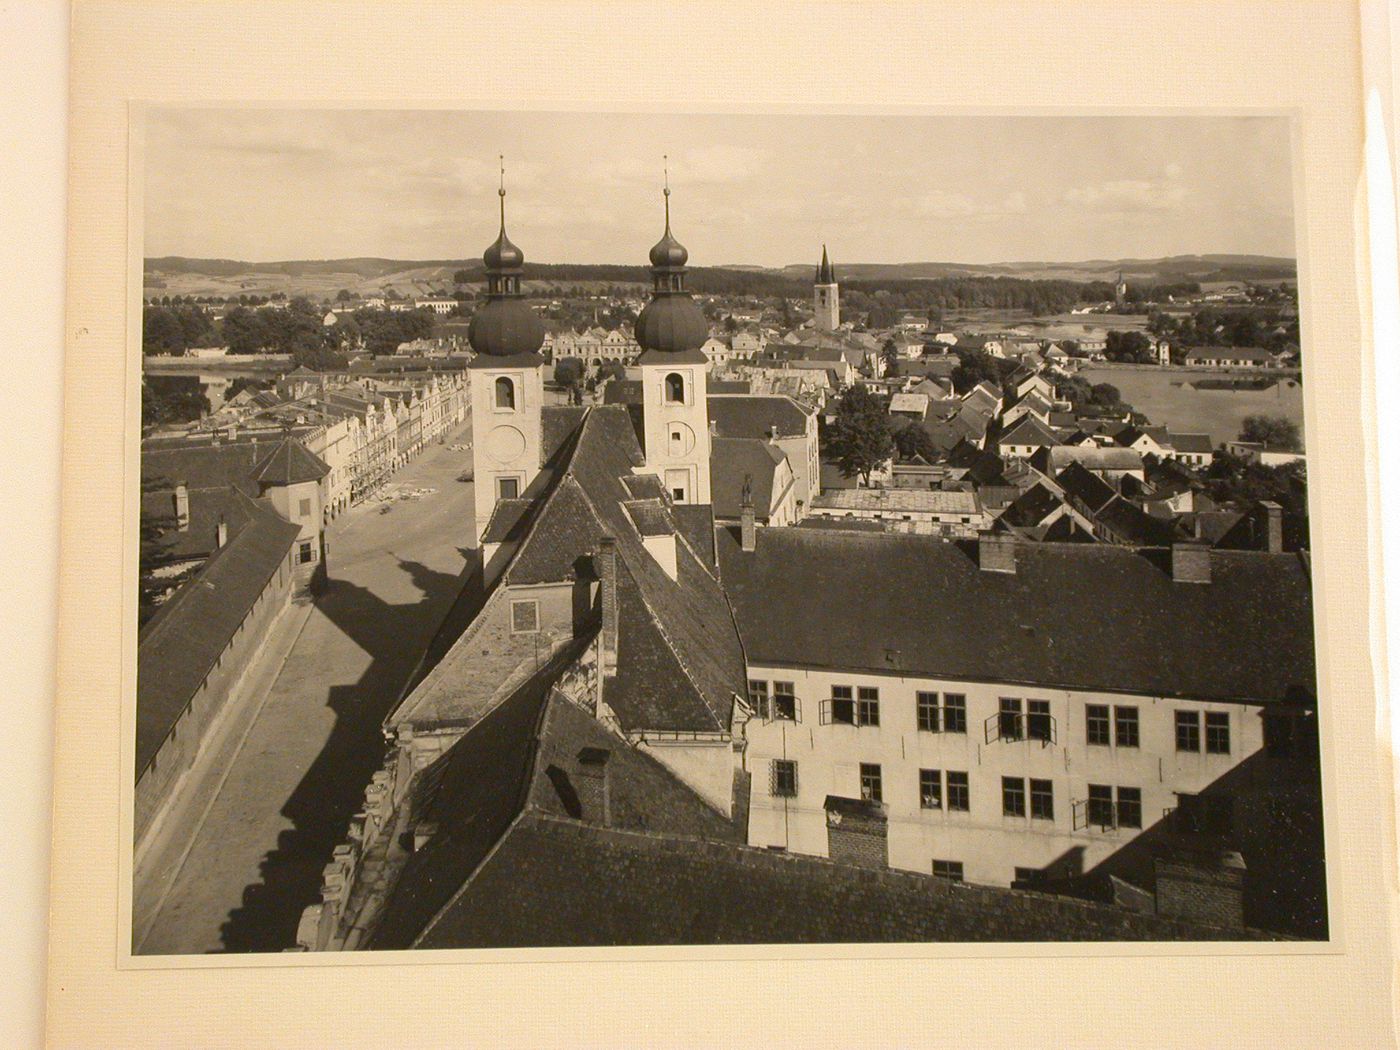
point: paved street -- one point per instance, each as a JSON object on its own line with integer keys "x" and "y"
{"x": 300, "y": 774}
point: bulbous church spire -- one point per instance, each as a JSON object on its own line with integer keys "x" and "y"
{"x": 671, "y": 322}
{"x": 504, "y": 325}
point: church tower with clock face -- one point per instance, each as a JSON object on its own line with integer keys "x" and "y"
{"x": 507, "y": 382}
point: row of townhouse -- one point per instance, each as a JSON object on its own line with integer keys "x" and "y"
{"x": 594, "y": 347}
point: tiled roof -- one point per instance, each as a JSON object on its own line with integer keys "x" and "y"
{"x": 1084, "y": 485}
{"x": 558, "y": 883}
{"x": 734, "y": 459}
{"x": 180, "y": 644}
{"x": 1195, "y": 443}
{"x": 507, "y": 521}
{"x": 751, "y": 417}
{"x": 935, "y": 501}
{"x": 1072, "y": 616}
{"x": 290, "y": 464}
{"x": 1029, "y": 431}
{"x": 1056, "y": 459}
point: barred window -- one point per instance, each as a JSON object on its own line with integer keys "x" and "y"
{"x": 1188, "y": 731}
{"x": 1013, "y": 797}
{"x": 783, "y": 778}
{"x": 1125, "y": 726}
{"x": 1096, "y": 728}
{"x": 959, "y": 798}
{"x": 1217, "y": 732}
{"x": 954, "y": 713}
{"x": 927, "y": 709}
{"x": 1042, "y": 800}
{"x": 930, "y": 789}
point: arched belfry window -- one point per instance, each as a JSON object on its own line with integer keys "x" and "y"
{"x": 675, "y": 389}
{"x": 505, "y": 393}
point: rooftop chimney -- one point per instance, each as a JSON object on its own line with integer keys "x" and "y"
{"x": 182, "y": 507}
{"x": 593, "y": 796}
{"x": 1275, "y": 526}
{"x": 748, "y": 531}
{"x": 996, "y": 552}
{"x": 605, "y": 566}
{"x": 1190, "y": 562}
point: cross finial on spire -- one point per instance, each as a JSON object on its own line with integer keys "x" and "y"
{"x": 502, "y": 191}
{"x": 666, "y": 187}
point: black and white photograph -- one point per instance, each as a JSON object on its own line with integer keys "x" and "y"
{"x": 590, "y": 529}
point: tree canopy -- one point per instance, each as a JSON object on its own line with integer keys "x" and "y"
{"x": 1277, "y": 432}
{"x": 859, "y": 439}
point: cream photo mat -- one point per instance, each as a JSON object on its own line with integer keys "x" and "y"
{"x": 702, "y": 58}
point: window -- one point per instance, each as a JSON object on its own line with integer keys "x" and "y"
{"x": 930, "y": 789}
{"x": 784, "y": 702}
{"x": 505, "y": 394}
{"x": 1129, "y": 807}
{"x": 1096, "y": 724}
{"x": 507, "y": 488}
{"x": 868, "y": 707}
{"x": 1039, "y": 725}
{"x": 1101, "y": 806}
{"x": 1188, "y": 731}
{"x": 954, "y": 713}
{"x": 952, "y": 870}
{"x": 1013, "y": 797}
{"x": 1009, "y": 719}
{"x": 1217, "y": 732}
{"x": 524, "y": 616}
{"x": 758, "y": 698}
{"x": 1031, "y": 876}
{"x": 1125, "y": 726}
{"x": 959, "y": 800}
{"x": 305, "y": 508}
{"x": 927, "y": 708}
{"x": 782, "y": 778}
{"x": 675, "y": 389}
{"x": 305, "y": 552}
{"x": 870, "y": 789}
{"x": 1042, "y": 800}
{"x": 842, "y": 705}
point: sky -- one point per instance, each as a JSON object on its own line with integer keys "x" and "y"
{"x": 263, "y": 185}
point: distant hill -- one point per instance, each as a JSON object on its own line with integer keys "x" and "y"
{"x": 322, "y": 278}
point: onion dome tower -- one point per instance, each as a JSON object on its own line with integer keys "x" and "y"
{"x": 507, "y": 381}
{"x": 826, "y": 300}
{"x": 670, "y": 330}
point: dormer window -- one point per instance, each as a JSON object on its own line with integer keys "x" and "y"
{"x": 675, "y": 389}
{"x": 505, "y": 394}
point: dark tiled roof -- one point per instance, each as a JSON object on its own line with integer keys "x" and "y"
{"x": 290, "y": 464}
{"x": 1072, "y": 616}
{"x": 1133, "y": 525}
{"x": 556, "y": 882}
{"x": 734, "y": 459}
{"x": 558, "y": 423}
{"x": 1082, "y": 484}
{"x": 751, "y": 417}
{"x": 697, "y": 524}
{"x": 1029, "y": 431}
{"x": 622, "y": 392}
{"x": 507, "y": 521}
{"x": 1032, "y": 507}
{"x": 178, "y": 647}
{"x": 1197, "y": 443}
{"x": 650, "y": 517}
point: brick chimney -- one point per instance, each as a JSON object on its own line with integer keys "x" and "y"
{"x": 182, "y": 507}
{"x": 593, "y": 795}
{"x": 605, "y": 566}
{"x": 857, "y": 832}
{"x": 1274, "y": 535}
{"x": 1190, "y": 562}
{"x": 996, "y": 552}
{"x": 1201, "y": 886}
{"x": 748, "y": 527}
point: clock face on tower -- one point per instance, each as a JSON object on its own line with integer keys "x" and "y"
{"x": 680, "y": 439}
{"x": 505, "y": 444}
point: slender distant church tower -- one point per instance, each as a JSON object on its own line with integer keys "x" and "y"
{"x": 507, "y": 381}
{"x": 670, "y": 330}
{"x": 826, "y": 301}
